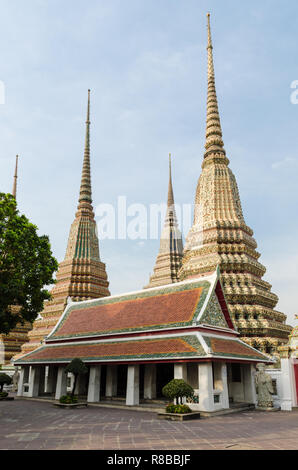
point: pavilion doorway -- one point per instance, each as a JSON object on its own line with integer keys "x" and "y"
{"x": 121, "y": 380}
{"x": 240, "y": 385}
{"x": 164, "y": 374}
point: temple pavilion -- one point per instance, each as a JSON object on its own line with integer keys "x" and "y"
{"x": 135, "y": 343}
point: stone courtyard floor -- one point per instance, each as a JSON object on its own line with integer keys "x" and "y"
{"x": 35, "y": 425}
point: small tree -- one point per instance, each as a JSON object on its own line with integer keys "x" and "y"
{"x": 26, "y": 267}
{"x": 4, "y": 380}
{"x": 76, "y": 367}
{"x": 178, "y": 389}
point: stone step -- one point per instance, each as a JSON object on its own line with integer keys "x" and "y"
{"x": 234, "y": 409}
{"x": 145, "y": 408}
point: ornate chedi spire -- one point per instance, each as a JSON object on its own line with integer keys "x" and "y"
{"x": 82, "y": 275}
{"x": 214, "y": 142}
{"x": 170, "y": 253}
{"x": 15, "y": 179}
{"x": 220, "y": 237}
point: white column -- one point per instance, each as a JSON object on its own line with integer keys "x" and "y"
{"x": 23, "y": 377}
{"x": 225, "y": 389}
{"x": 180, "y": 371}
{"x": 61, "y": 383}
{"x": 150, "y": 382}
{"x": 286, "y": 402}
{"x": 250, "y": 395}
{"x": 133, "y": 385}
{"x": 94, "y": 384}
{"x": 206, "y": 396}
{"x": 111, "y": 381}
{"x": 34, "y": 381}
{"x": 51, "y": 379}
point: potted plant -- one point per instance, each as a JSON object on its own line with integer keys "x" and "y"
{"x": 75, "y": 367}
{"x": 4, "y": 380}
{"x": 176, "y": 390}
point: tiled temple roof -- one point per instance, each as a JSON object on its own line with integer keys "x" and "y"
{"x": 173, "y": 306}
{"x": 161, "y": 348}
{"x": 231, "y": 348}
{"x": 192, "y": 346}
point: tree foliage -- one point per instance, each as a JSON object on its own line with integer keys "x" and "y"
{"x": 26, "y": 267}
{"x": 178, "y": 389}
{"x": 76, "y": 367}
{"x": 4, "y": 380}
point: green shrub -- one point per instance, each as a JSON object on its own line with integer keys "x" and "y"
{"x": 76, "y": 367}
{"x": 179, "y": 409}
{"x": 68, "y": 399}
{"x": 4, "y": 380}
{"x": 178, "y": 389}
{"x": 3, "y": 394}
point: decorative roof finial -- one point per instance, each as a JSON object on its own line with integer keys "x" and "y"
{"x": 170, "y": 190}
{"x": 85, "y": 189}
{"x": 14, "y": 189}
{"x": 209, "y": 31}
{"x": 214, "y": 142}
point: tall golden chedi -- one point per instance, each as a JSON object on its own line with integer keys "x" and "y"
{"x": 82, "y": 275}
{"x": 220, "y": 237}
{"x": 170, "y": 254}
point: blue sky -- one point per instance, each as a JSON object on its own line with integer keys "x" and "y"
{"x": 145, "y": 62}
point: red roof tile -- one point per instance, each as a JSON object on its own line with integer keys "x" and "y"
{"x": 230, "y": 347}
{"x": 114, "y": 350}
{"x": 138, "y": 313}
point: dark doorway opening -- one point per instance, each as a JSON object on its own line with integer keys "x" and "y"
{"x": 142, "y": 375}
{"x": 164, "y": 374}
{"x": 103, "y": 380}
{"x": 122, "y": 381}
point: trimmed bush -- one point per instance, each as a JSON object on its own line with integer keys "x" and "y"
{"x": 178, "y": 389}
{"x": 4, "y": 380}
{"x": 3, "y": 394}
{"x": 179, "y": 409}
{"x": 76, "y": 367}
{"x": 68, "y": 400}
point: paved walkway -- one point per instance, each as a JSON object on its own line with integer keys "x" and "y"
{"x": 38, "y": 425}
